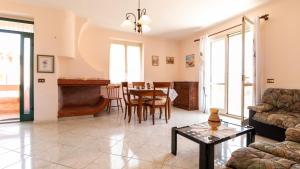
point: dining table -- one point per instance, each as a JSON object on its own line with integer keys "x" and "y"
{"x": 140, "y": 93}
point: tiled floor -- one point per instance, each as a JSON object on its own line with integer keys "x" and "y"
{"x": 105, "y": 142}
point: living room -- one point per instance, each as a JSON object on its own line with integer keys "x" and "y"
{"x": 73, "y": 57}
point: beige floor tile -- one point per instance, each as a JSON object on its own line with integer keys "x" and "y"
{"x": 10, "y": 158}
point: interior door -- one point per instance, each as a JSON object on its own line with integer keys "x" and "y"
{"x": 26, "y": 86}
{"x": 248, "y": 69}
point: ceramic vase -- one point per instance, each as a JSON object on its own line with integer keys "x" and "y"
{"x": 214, "y": 119}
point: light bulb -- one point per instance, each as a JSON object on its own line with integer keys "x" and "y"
{"x": 146, "y": 28}
{"x": 127, "y": 24}
{"x": 145, "y": 19}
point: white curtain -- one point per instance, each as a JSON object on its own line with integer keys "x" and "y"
{"x": 258, "y": 63}
{"x": 202, "y": 80}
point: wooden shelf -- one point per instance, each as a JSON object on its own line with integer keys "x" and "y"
{"x": 82, "y": 82}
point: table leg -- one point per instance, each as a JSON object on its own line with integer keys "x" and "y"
{"x": 174, "y": 141}
{"x": 139, "y": 109}
{"x": 250, "y": 137}
{"x": 206, "y": 159}
{"x": 169, "y": 108}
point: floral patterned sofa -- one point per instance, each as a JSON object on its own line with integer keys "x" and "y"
{"x": 284, "y": 155}
{"x": 279, "y": 110}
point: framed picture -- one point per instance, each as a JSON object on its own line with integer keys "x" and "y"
{"x": 190, "y": 60}
{"x": 155, "y": 60}
{"x": 45, "y": 63}
{"x": 169, "y": 60}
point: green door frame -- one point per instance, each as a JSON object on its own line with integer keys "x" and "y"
{"x": 29, "y": 116}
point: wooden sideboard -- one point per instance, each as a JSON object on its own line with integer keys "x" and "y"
{"x": 80, "y": 97}
{"x": 187, "y": 95}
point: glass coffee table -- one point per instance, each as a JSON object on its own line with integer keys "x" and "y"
{"x": 207, "y": 139}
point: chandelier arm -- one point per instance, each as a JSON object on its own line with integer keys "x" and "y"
{"x": 144, "y": 11}
{"x": 133, "y": 15}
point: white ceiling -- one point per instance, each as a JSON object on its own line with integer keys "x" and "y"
{"x": 170, "y": 18}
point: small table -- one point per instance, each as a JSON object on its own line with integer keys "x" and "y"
{"x": 207, "y": 139}
{"x": 140, "y": 93}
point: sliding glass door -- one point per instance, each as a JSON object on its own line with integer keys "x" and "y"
{"x": 232, "y": 71}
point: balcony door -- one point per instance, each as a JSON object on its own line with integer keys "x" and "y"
{"x": 16, "y": 70}
{"x": 232, "y": 71}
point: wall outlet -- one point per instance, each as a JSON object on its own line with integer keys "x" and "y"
{"x": 270, "y": 81}
{"x": 41, "y": 80}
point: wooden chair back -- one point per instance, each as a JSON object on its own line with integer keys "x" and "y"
{"x": 125, "y": 92}
{"x": 140, "y": 85}
{"x": 113, "y": 91}
{"x": 160, "y": 85}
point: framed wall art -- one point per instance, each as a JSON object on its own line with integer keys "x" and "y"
{"x": 45, "y": 63}
{"x": 155, "y": 60}
{"x": 190, "y": 60}
{"x": 170, "y": 60}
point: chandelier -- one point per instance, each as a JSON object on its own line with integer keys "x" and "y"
{"x": 139, "y": 23}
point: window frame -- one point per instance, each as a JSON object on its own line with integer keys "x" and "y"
{"x": 126, "y": 44}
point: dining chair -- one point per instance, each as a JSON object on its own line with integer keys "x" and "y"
{"x": 159, "y": 100}
{"x": 129, "y": 102}
{"x": 113, "y": 95}
{"x": 139, "y": 85}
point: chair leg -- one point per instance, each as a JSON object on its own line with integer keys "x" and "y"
{"x": 125, "y": 111}
{"x": 109, "y": 106}
{"x": 166, "y": 114}
{"x": 121, "y": 105}
{"x": 160, "y": 112}
{"x": 129, "y": 114}
{"x": 153, "y": 118}
{"x": 118, "y": 105}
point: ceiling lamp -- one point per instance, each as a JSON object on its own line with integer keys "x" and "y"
{"x": 139, "y": 23}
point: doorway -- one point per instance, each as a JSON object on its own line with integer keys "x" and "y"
{"x": 232, "y": 71}
{"x": 16, "y": 70}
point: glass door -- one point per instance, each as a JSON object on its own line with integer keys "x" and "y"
{"x": 218, "y": 74}
{"x": 26, "y": 87}
{"x": 232, "y": 70}
{"x": 248, "y": 77}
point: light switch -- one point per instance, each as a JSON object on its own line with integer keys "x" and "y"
{"x": 41, "y": 80}
{"x": 270, "y": 81}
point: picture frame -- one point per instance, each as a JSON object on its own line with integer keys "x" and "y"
{"x": 155, "y": 60}
{"x": 190, "y": 60}
{"x": 45, "y": 64}
{"x": 170, "y": 60}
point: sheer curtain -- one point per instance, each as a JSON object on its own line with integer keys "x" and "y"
{"x": 202, "y": 73}
{"x": 258, "y": 62}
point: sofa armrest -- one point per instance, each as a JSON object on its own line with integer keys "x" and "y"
{"x": 292, "y": 134}
{"x": 264, "y": 107}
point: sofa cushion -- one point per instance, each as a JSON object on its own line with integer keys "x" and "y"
{"x": 293, "y": 134}
{"x": 264, "y": 107}
{"x": 280, "y": 118}
{"x": 287, "y": 149}
{"x": 251, "y": 158}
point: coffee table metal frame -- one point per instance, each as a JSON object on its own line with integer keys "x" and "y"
{"x": 206, "y": 155}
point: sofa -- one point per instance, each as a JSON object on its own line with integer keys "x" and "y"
{"x": 279, "y": 110}
{"x": 283, "y": 155}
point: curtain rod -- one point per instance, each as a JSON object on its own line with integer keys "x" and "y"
{"x": 265, "y": 17}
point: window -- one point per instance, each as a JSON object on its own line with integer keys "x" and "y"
{"x": 125, "y": 62}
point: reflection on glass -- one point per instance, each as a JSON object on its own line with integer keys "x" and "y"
{"x": 27, "y": 75}
{"x": 133, "y": 63}
{"x": 235, "y": 75}
{"x": 218, "y": 74}
{"x": 117, "y": 63}
{"x": 249, "y": 58}
{"x": 248, "y": 100}
{"x": 218, "y": 61}
{"x": 217, "y": 96}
